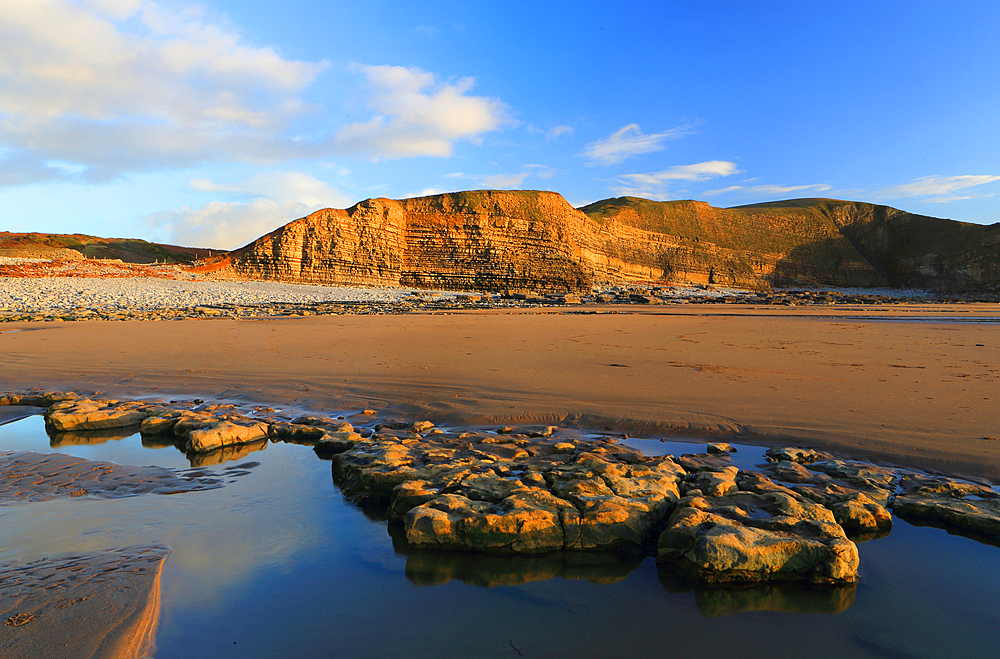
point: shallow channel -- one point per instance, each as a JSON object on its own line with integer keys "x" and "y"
{"x": 277, "y": 563}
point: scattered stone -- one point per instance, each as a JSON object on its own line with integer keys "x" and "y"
{"x": 720, "y": 448}
{"x": 422, "y": 426}
{"x": 800, "y": 455}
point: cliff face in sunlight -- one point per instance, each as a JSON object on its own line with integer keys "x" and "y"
{"x": 535, "y": 241}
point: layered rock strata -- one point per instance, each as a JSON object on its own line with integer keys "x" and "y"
{"x": 535, "y": 241}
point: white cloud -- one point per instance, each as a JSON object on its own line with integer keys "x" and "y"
{"x": 116, "y": 86}
{"x": 939, "y": 189}
{"x": 277, "y": 198}
{"x": 559, "y": 131}
{"x": 418, "y": 115}
{"x": 123, "y": 85}
{"x": 655, "y": 184}
{"x": 627, "y": 142}
{"x": 120, "y": 9}
{"x": 431, "y": 191}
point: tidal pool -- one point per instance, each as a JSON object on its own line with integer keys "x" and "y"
{"x": 277, "y": 563}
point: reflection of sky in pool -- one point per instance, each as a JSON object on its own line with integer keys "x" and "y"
{"x": 278, "y": 564}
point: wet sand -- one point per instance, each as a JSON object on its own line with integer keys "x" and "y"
{"x": 102, "y": 604}
{"x": 910, "y": 384}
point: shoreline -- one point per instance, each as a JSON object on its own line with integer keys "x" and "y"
{"x": 912, "y": 393}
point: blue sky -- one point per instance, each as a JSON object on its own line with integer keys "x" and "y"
{"x": 211, "y": 124}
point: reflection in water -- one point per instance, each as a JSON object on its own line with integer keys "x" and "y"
{"x": 716, "y": 601}
{"x": 84, "y": 437}
{"x": 159, "y": 441}
{"x": 63, "y": 440}
{"x": 434, "y": 568}
{"x": 951, "y": 529}
{"x": 858, "y": 538}
{"x": 226, "y": 454}
{"x": 781, "y": 598}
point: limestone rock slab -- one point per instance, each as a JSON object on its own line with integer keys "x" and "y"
{"x": 747, "y": 537}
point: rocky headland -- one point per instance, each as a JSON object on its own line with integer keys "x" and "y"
{"x": 535, "y": 241}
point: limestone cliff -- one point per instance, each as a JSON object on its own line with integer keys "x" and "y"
{"x": 530, "y": 240}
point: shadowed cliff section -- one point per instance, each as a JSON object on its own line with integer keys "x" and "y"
{"x": 535, "y": 241}
{"x": 910, "y": 251}
{"x": 741, "y": 248}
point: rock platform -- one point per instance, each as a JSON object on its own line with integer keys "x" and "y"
{"x": 540, "y": 492}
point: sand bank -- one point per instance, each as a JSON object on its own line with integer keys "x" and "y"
{"x": 99, "y": 604}
{"x": 854, "y": 380}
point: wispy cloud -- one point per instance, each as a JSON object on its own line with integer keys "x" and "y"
{"x": 627, "y": 142}
{"x": 559, "y": 131}
{"x": 939, "y": 189}
{"x": 428, "y": 31}
{"x": 504, "y": 181}
{"x": 655, "y": 184}
{"x": 270, "y": 200}
{"x": 418, "y": 115}
{"x": 764, "y": 190}
{"x": 282, "y": 185}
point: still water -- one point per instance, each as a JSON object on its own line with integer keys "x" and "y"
{"x": 278, "y": 564}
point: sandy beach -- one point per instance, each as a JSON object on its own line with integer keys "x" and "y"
{"x": 909, "y": 384}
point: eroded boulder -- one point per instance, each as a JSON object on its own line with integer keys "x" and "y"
{"x": 746, "y": 537}
{"x": 224, "y": 433}
{"x": 960, "y": 506}
{"x": 87, "y": 414}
